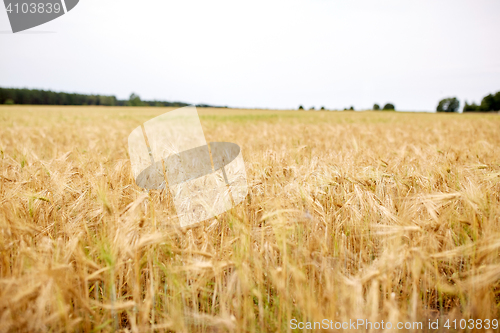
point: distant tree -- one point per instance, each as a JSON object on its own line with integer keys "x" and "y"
{"x": 450, "y": 104}
{"x": 389, "y": 106}
{"x": 9, "y": 102}
{"x": 351, "y": 108}
{"x": 470, "y": 107}
{"x": 322, "y": 108}
{"x": 487, "y": 104}
{"x": 376, "y": 106}
{"x": 135, "y": 100}
{"x": 301, "y": 107}
{"x": 491, "y": 102}
{"x": 312, "y": 108}
{"x": 496, "y": 105}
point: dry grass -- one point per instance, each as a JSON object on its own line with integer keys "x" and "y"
{"x": 382, "y": 216}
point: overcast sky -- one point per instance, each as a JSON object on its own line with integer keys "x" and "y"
{"x": 268, "y": 54}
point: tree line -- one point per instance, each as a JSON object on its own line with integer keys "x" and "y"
{"x": 489, "y": 103}
{"x": 47, "y": 97}
{"x": 387, "y": 107}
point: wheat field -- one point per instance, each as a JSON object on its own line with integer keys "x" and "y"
{"x": 374, "y": 215}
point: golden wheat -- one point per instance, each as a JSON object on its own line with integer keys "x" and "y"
{"x": 376, "y": 215}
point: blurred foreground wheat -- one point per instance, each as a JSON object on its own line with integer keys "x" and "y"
{"x": 382, "y": 216}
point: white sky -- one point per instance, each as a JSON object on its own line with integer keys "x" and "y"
{"x": 271, "y": 53}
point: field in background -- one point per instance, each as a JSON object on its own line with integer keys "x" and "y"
{"x": 372, "y": 215}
